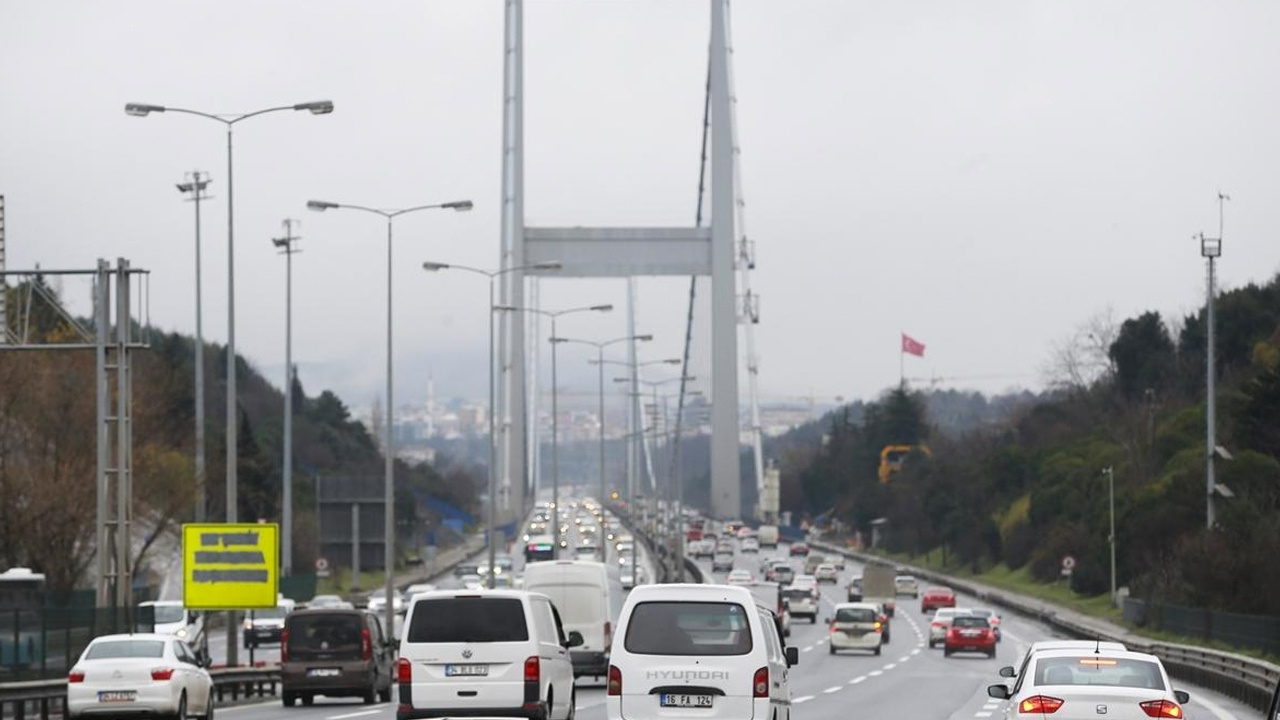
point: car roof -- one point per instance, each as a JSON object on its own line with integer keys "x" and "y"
{"x": 686, "y": 591}
{"x": 327, "y": 611}
{"x": 1076, "y": 645}
{"x": 1087, "y": 652}
{"x": 134, "y": 636}
{"x": 859, "y": 606}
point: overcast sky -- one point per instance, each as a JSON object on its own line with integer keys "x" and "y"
{"x": 983, "y": 176}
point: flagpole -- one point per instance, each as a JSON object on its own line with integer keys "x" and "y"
{"x": 902, "y": 361}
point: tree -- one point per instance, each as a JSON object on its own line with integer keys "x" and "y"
{"x": 1143, "y": 355}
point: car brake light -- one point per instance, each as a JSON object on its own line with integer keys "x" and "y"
{"x": 284, "y": 645}
{"x": 1040, "y": 704}
{"x": 936, "y": 624}
{"x": 877, "y": 626}
{"x": 1161, "y": 709}
{"x": 404, "y": 670}
{"x": 366, "y": 644}
{"x": 760, "y": 683}
{"x": 165, "y": 674}
{"x": 615, "y": 680}
{"x": 75, "y": 676}
{"x": 531, "y": 669}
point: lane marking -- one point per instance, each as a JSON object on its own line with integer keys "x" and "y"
{"x": 354, "y": 714}
{"x": 991, "y": 706}
{"x": 806, "y": 649}
{"x": 875, "y": 673}
{"x": 982, "y": 714}
{"x": 833, "y": 688}
{"x": 1214, "y": 708}
{"x": 916, "y": 651}
{"x": 802, "y": 699}
{"x": 890, "y": 666}
{"x": 904, "y": 658}
{"x": 233, "y": 708}
{"x": 857, "y": 680}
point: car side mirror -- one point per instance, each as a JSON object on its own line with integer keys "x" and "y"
{"x": 827, "y": 620}
{"x": 1181, "y": 696}
{"x": 1006, "y": 671}
{"x": 793, "y": 656}
{"x": 575, "y": 639}
{"x": 1000, "y": 692}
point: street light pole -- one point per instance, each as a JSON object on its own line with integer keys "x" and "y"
{"x": 319, "y": 107}
{"x": 492, "y": 310}
{"x": 1211, "y": 249}
{"x": 1111, "y": 539}
{"x": 388, "y": 489}
{"x": 196, "y": 184}
{"x": 286, "y": 542}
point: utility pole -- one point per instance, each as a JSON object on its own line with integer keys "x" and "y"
{"x": 1111, "y": 539}
{"x": 1211, "y": 249}
{"x": 286, "y": 246}
{"x": 196, "y": 184}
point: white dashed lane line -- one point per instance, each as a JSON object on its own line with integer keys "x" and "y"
{"x": 982, "y": 714}
{"x": 890, "y": 666}
{"x": 875, "y": 673}
{"x": 801, "y": 699}
{"x": 858, "y": 679}
{"x": 362, "y": 713}
{"x": 833, "y": 688}
{"x": 806, "y": 649}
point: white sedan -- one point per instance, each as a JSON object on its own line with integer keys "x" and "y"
{"x": 826, "y": 572}
{"x": 1084, "y": 684}
{"x": 142, "y": 674}
{"x": 739, "y": 577}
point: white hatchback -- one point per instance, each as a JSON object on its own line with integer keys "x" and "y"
{"x": 492, "y": 652}
{"x": 705, "y": 652}
{"x": 139, "y": 674}
{"x": 856, "y": 626}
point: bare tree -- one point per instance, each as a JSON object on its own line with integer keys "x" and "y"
{"x": 1082, "y": 358}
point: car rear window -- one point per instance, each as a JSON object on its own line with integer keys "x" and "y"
{"x": 855, "y": 615}
{"x": 1099, "y": 670}
{"x": 689, "y": 628}
{"x": 468, "y": 619}
{"x": 332, "y": 634}
{"x": 970, "y": 621}
{"x": 126, "y": 649}
{"x": 797, "y": 594}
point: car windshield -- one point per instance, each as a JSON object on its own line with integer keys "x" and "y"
{"x": 275, "y": 613}
{"x": 797, "y": 594}
{"x": 855, "y": 615}
{"x": 1099, "y": 670}
{"x": 169, "y": 613}
{"x": 688, "y": 628}
{"x": 469, "y": 620}
{"x": 111, "y": 649}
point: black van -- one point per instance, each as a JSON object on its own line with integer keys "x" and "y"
{"x": 335, "y": 653}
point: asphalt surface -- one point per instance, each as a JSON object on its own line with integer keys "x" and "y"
{"x": 907, "y": 680}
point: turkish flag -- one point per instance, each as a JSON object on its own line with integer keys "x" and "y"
{"x": 912, "y": 346}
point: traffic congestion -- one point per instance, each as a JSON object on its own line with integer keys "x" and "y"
{"x": 578, "y": 631}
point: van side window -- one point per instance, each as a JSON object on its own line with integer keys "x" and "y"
{"x": 555, "y": 615}
{"x": 543, "y": 621}
{"x": 375, "y": 630}
{"x": 771, "y": 640}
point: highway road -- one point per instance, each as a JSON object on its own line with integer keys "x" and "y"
{"x": 907, "y": 680}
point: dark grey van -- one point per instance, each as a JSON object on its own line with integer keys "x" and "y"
{"x": 335, "y": 653}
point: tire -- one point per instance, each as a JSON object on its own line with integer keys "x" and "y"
{"x": 308, "y": 700}
{"x": 384, "y": 695}
{"x": 831, "y": 649}
{"x": 946, "y": 652}
{"x": 813, "y": 619}
{"x": 288, "y": 699}
{"x": 370, "y": 695}
{"x": 992, "y": 655}
{"x": 573, "y": 705}
{"x": 208, "y": 710}
{"x": 182, "y": 707}
{"x": 876, "y": 651}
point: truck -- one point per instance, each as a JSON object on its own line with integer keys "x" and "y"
{"x": 878, "y": 586}
{"x": 767, "y": 535}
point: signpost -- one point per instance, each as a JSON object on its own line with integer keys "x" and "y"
{"x": 1068, "y": 564}
{"x": 230, "y": 566}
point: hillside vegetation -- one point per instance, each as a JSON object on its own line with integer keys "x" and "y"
{"x": 1029, "y": 490}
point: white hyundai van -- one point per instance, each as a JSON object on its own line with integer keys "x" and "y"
{"x": 698, "y": 651}
{"x": 497, "y": 653}
{"x": 580, "y": 591}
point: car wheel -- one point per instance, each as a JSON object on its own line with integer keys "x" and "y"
{"x": 573, "y": 705}
{"x": 831, "y": 649}
{"x": 307, "y": 700}
{"x": 182, "y": 707}
{"x": 288, "y": 699}
{"x": 813, "y": 619}
{"x": 384, "y": 695}
{"x": 992, "y": 654}
{"x": 876, "y": 651}
{"x": 946, "y": 652}
{"x": 208, "y": 710}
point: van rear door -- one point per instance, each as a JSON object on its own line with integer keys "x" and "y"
{"x": 467, "y": 651}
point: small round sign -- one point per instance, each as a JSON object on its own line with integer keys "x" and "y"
{"x": 322, "y": 564}
{"x": 1068, "y": 562}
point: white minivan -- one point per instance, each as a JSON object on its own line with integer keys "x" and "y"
{"x": 498, "y": 653}
{"x": 698, "y": 651}
{"x": 580, "y": 591}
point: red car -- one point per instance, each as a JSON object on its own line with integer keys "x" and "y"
{"x": 969, "y": 633}
{"x": 937, "y": 597}
{"x": 799, "y": 549}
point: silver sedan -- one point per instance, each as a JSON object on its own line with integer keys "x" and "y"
{"x": 139, "y": 674}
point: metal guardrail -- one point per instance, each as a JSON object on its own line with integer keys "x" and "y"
{"x": 1246, "y": 679}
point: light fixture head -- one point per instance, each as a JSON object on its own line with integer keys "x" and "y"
{"x": 549, "y": 265}
{"x": 141, "y": 109}
{"x": 459, "y": 205}
{"x": 434, "y": 266}
{"x": 601, "y": 308}
{"x": 642, "y": 338}
{"x": 320, "y": 205}
{"x": 1210, "y": 247}
{"x": 319, "y": 107}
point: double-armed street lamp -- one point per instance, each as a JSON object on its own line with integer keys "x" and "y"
{"x": 319, "y": 107}
{"x": 600, "y": 362}
{"x": 555, "y": 408}
{"x": 493, "y": 482}
{"x": 388, "y": 428}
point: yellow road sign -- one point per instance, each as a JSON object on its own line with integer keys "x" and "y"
{"x": 230, "y": 566}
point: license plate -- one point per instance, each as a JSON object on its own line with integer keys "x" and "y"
{"x": 694, "y": 701}
{"x": 971, "y": 633}
{"x": 466, "y": 670}
{"x": 117, "y": 696}
{"x": 323, "y": 672}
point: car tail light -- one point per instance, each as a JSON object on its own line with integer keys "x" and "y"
{"x": 167, "y": 674}
{"x": 760, "y": 683}
{"x": 531, "y": 670}
{"x": 404, "y": 670}
{"x": 75, "y": 676}
{"x": 366, "y": 644}
{"x": 284, "y": 645}
{"x": 936, "y": 624}
{"x": 877, "y": 626}
{"x": 1040, "y": 704}
{"x": 1161, "y": 709}
{"x": 615, "y": 680}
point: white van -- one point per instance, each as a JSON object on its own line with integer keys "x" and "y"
{"x": 580, "y": 591}
{"x": 698, "y": 651}
{"x": 172, "y": 618}
{"x": 498, "y": 653}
